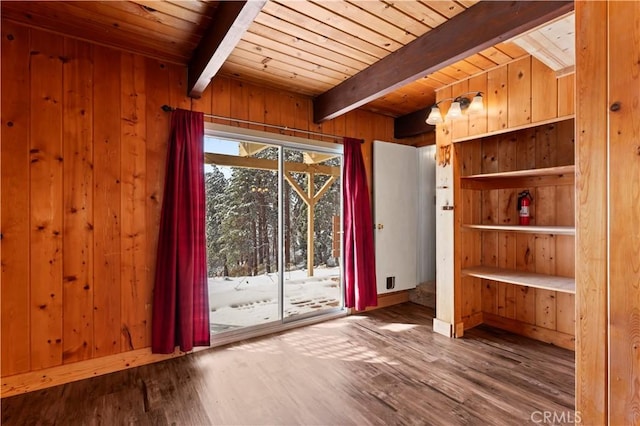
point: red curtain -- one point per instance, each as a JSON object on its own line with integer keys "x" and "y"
{"x": 359, "y": 254}
{"x": 180, "y": 296}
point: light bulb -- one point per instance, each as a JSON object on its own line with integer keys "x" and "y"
{"x": 477, "y": 104}
{"x": 434, "y": 116}
{"x": 454, "y": 111}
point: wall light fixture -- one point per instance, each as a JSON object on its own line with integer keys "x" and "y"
{"x": 459, "y": 104}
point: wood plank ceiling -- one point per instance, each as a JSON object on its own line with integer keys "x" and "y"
{"x": 307, "y": 47}
{"x": 312, "y": 46}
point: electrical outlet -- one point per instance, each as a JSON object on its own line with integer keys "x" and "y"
{"x": 391, "y": 283}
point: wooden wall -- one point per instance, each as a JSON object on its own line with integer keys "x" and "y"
{"x": 83, "y": 159}
{"x": 516, "y": 96}
{"x": 542, "y": 314}
{"x": 608, "y": 220}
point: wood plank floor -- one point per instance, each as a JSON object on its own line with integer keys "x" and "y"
{"x": 383, "y": 367}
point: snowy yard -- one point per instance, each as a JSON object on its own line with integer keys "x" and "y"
{"x": 244, "y": 301}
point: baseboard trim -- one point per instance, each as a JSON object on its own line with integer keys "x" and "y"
{"x": 442, "y": 327}
{"x": 385, "y": 300}
{"x": 41, "y": 379}
{"x": 473, "y": 320}
{"x": 554, "y": 337}
{"x": 35, "y": 380}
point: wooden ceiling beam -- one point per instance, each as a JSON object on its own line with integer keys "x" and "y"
{"x": 231, "y": 20}
{"x": 479, "y": 27}
{"x": 412, "y": 124}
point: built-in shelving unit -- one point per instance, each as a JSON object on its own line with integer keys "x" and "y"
{"x": 552, "y": 230}
{"x": 519, "y": 276}
{"x": 529, "y": 279}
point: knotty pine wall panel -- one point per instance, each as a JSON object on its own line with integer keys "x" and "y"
{"x": 543, "y": 146}
{"x": 107, "y": 209}
{"x": 15, "y": 187}
{"x": 83, "y": 164}
{"x": 517, "y": 94}
{"x": 158, "y": 92}
{"x": 136, "y": 290}
{"x": 624, "y": 219}
{"x": 45, "y": 198}
{"x": 77, "y": 190}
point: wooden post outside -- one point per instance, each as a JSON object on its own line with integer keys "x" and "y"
{"x": 311, "y": 204}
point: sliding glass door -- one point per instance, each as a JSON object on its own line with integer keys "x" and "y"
{"x": 241, "y": 182}
{"x": 311, "y": 232}
{"x": 273, "y": 232}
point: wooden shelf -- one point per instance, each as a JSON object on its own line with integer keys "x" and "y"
{"x": 555, "y": 230}
{"x": 529, "y": 279}
{"x": 548, "y": 176}
{"x": 515, "y": 128}
{"x": 547, "y": 171}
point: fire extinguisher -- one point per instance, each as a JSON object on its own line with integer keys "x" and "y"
{"x": 524, "y": 201}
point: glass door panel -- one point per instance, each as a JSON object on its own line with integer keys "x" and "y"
{"x": 241, "y": 182}
{"x": 312, "y": 234}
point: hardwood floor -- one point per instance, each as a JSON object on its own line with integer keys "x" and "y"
{"x": 382, "y": 367}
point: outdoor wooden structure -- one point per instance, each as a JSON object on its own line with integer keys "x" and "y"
{"x": 309, "y": 196}
{"x": 83, "y": 150}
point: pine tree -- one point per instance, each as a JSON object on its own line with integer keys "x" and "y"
{"x": 215, "y": 189}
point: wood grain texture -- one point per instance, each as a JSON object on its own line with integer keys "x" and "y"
{"x": 221, "y": 99}
{"x": 35, "y": 380}
{"x": 508, "y": 164}
{"x": 478, "y": 121}
{"x": 46, "y": 209}
{"x": 565, "y": 148}
{"x": 108, "y": 165}
{"x": 381, "y": 367}
{"x": 126, "y": 26}
{"x": 566, "y": 95}
{"x": 107, "y": 212}
{"x": 14, "y": 208}
{"x": 232, "y": 19}
{"x": 78, "y": 286}
{"x": 624, "y": 220}
{"x": 546, "y": 146}
{"x": 497, "y": 96}
{"x": 519, "y": 92}
{"x": 544, "y": 92}
{"x": 565, "y": 313}
{"x": 157, "y": 83}
{"x": 535, "y": 280}
{"x": 591, "y": 212}
{"x": 566, "y": 341}
{"x": 304, "y": 48}
{"x": 178, "y": 87}
{"x": 136, "y": 292}
{"x": 408, "y": 63}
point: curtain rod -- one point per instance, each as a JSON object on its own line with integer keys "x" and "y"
{"x": 167, "y": 108}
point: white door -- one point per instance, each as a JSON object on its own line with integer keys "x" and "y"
{"x": 395, "y": 215}
{"x": 427, "y": 214}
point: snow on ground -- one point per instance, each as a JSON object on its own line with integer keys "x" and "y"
{"x": 244, "y": 301}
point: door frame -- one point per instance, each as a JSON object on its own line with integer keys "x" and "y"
{"x": 221, "y": 131}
